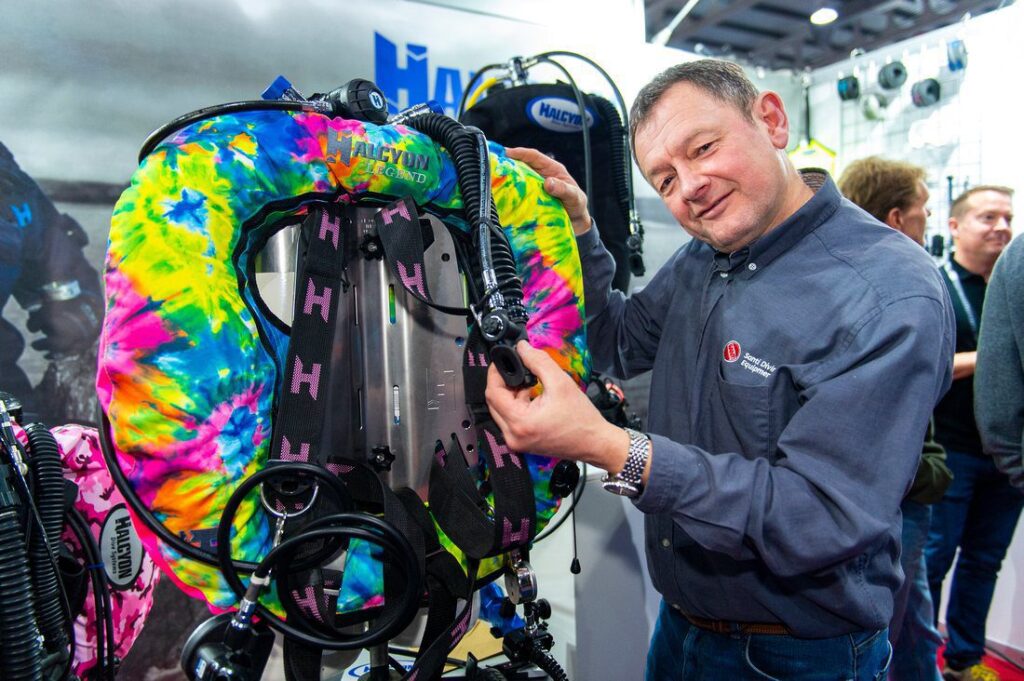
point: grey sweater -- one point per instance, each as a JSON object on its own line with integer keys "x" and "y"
{"x": 999, "y": 376}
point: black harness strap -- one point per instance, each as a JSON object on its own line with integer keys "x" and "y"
{"x": 460, "y": 509}
{"x": 303, "y": 404}
{"x": 398, "y": 229}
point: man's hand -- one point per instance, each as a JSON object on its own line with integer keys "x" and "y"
{"x": 69, "y": 326}
{"x": 560, "y": 422}
{"x": 559, "y": 183}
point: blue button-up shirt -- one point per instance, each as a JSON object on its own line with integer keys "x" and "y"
{"x": 792, "y": 383}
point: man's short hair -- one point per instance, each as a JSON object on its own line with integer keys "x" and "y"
{"x": 959, "y": 206}
{"x": 722, "y": 80}
{"x": 878, "y": 185}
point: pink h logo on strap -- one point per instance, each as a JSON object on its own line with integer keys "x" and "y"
{"x": 510, "y": 538}
{"x": 308, "y": 602}
{"x": 499, "y": 451}
{"x": 323, "y": 301}
{"x": 476, "y": 359}
{"x": 286, "y": 451}
{"x": 399, "y": 209}
{"x": 312, "y": 378}
{"x": 339, "y": 468}
{"x": 332, "y": 225}
{"x": 414, "y": 282}
{"x": 460, "y": 629}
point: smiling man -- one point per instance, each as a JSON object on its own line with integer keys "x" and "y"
{"x": 980, "y": 510}
{"x": 796, "y": 349}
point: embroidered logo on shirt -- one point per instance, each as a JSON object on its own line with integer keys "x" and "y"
{"x": 761, "y": 367}
{"x": 731, "y": 351}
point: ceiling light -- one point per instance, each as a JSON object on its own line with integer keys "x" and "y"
{"x": 825, "y": 15}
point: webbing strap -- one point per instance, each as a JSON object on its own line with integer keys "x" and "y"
{"x": 460, "y": 509}
{"x": 431, "y": 659}
{"x": 446, "y": 583}
{"x": 303, "y": 399}
{"x": 398, "y": 228}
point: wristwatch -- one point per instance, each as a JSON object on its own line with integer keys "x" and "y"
{"x": 629, "y": 481}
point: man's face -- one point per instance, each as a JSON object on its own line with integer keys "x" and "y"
{"x": 720, "y": 174}
{"x": 915, "y": 217}
{"x": 984, "y": 228}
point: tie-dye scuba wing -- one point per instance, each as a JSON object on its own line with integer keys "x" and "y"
{"x": 189, "y": 362}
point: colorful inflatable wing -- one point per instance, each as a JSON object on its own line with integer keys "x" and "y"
{"x": 189, "y": 362}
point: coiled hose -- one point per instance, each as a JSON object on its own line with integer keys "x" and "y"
{"x": 617, "y": 150}
{"x": 48, "y": 494}
{"x": 20, "y": 654}
{"x": 462, "y": 147}
{"x": 544, "y": 660}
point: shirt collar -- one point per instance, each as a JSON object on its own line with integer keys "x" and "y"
{"x": 762, "y": 251}
{"x": 962, "y": 272}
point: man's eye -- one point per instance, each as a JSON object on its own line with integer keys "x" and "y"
{"x": 702, "y": 149}
{"x": 664, "y": 185}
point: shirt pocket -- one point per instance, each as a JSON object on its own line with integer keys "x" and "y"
{"x": 743, "y": 418}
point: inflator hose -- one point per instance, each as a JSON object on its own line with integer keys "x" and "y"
{"x": 548, "y": 664}
{"x": 48, "y": 494}
{"x": 461, "y": 146}
{"x": 20, "y": 654}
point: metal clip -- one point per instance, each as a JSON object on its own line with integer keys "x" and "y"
{"x": 520, "y": 579}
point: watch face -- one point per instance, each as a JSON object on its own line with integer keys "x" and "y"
{"x": 621, "y": 487}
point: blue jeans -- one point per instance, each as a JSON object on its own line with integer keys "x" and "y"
{"x": 912, "y": 631}
{"x": 682, "y": 652}
{"x": 978, "y": 514}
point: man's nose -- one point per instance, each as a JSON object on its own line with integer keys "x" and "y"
{"x": 692, "y": 185}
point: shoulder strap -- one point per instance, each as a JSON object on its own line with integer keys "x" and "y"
{"x": 400, "y": 234}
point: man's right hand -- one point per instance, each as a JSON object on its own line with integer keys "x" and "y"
{"x": 559, "y": 183}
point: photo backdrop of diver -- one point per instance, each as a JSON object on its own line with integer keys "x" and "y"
{"x": 42, "y": 266}
{"x": 547, "y": 117}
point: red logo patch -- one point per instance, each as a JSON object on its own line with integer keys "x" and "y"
{"x": 731, "y": 351}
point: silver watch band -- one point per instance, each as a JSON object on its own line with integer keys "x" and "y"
{"x": 636, "y": 461}
{"x": 629, "y": 481}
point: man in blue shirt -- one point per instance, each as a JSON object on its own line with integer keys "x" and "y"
{"x": 796, "y": 348}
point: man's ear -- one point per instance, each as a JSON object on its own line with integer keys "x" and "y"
{"x": 954, "y": 227}
{"x": 769, "y": 110}
{"x": 894, "y": 218}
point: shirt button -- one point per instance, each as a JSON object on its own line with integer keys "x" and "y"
{"x": 666, "y": 543}
{"x": 676, "y": 606}
{"x": 751, "y": 267}
{"x": 723, "y": 275}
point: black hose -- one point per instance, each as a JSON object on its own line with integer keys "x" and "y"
{"x": 617, "y": 150}
{"x": 106, "y": 644}
{"x": 165, "y": 131}
{"x": 143, "y": 512}
{"x": 372, "y": 530}
{"x": 470, "y": 161}
{"x": 544, "y": 660}
{"x": 20, "y": 654}
{"x": 48, "y": 494}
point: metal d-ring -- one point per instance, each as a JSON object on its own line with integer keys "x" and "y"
{"x": 286, "y": 514}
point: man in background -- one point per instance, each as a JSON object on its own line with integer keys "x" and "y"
{"x": 895, "y": 194}
{"x": 43, "y": 267}
{"x": 979, "y": 512}
{"x": 999, "y": 375}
